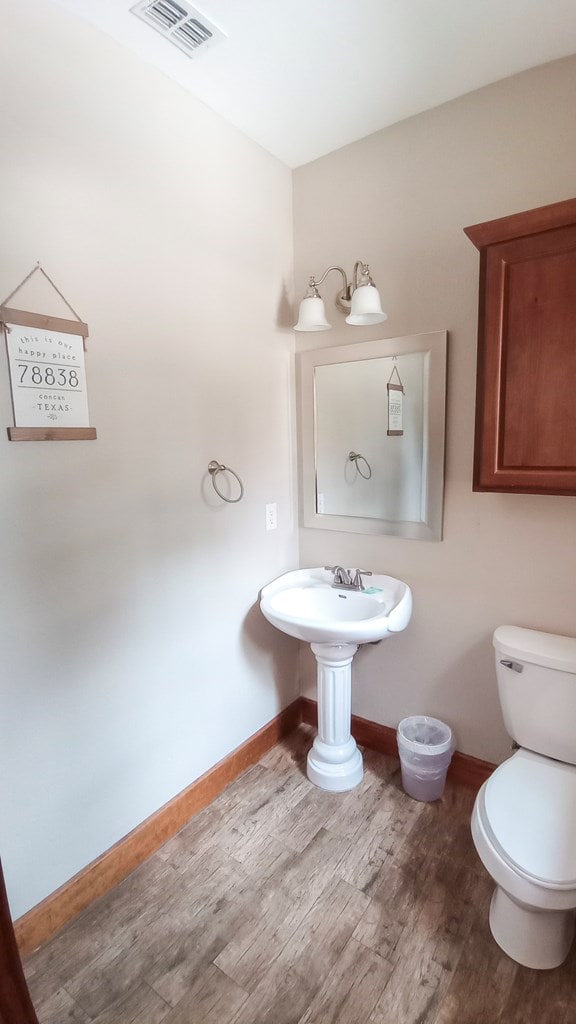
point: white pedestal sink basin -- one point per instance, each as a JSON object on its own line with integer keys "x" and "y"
{"x": 334, "y": 621}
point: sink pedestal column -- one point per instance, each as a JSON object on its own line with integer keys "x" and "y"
{"x": 334, "y": 762}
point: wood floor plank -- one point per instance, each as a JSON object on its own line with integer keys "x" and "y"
{"x": 397, "y": 891}
{"x": 385, "y": 918}
{"x": 300, "y": 824}
{"x": 254, "y": 788}
{"x": 355, "y": 808}
{"x": 411, "y": 998}
{"x": 140, "y": 1006}
{"x": 570, "y": 1014}
{"x": 263, "y": 856}
{"x": 212, "y": 998}
{"x": 196, "y": 837}
{"x": 294, "y": 977}
{"x": 246, "y": 812}
{"x": 548, "y": 997}
{"x": 482, "y": 982}
{"x": 259, "y": 818}
{"x": 351, "y": 989}
{"x": 172, "y": 970}
{"x": 218, "y": 834}
{"x": 137, "y": 899}
{"x": 428, "y": 950}
{"x": 153, "y": 947}
{"x": 60, "y": 1008}
{"x": 284, "y": 903}
{"x": 436, "y": 847}
{"x": 379, "y": 838}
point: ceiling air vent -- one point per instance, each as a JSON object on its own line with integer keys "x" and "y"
{"x": 183, "y": 25}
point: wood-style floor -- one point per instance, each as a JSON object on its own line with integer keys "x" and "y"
{"x": 282, "y": 904}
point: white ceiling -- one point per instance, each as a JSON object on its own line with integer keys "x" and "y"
{"x": 304, "y": 77}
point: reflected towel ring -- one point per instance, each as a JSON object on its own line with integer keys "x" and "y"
{"x": 354, "y": 457}
{"x": 217, "y": 467}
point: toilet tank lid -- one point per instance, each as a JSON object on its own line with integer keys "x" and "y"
{"x": 547, "y": 649}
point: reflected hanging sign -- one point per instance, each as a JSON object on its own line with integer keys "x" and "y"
{"x": 395, "y": 400}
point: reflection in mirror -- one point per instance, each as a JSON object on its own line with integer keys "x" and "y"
{"x": 372, "y": 438}
{"x": 393, "y": 489}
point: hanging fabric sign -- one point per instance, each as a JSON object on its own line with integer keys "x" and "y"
{"x": 395, "y": 399}
{"x": 48, "y": 377}
{"x": 47, "y": 372}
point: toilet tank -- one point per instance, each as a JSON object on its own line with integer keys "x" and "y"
{"x": 536, "y": 675}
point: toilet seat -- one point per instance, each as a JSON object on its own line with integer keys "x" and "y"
{"x": 527, "y": 810}
{"x": 521, "y": 825}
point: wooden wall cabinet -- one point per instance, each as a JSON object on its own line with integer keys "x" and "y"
{"x": 526, "y": 382}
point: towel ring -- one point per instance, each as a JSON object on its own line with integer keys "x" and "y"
{"x": 217, "y": 467}
{"x": 354, "y": 457}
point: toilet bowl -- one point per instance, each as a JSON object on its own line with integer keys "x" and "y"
{"x": 524, "y": 829}
{"x": 524, "y": 817}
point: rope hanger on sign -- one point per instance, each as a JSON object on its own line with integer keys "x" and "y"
{"x": 39, "y": 267}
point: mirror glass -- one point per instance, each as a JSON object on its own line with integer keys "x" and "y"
{"x": 372, "y": 437}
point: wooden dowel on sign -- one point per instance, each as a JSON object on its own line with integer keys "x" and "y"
{"x": 52, "y": 434}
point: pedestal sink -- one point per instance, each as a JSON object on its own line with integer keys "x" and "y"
{"x": 334, "y": 621}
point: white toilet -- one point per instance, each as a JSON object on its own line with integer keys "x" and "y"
{"x": 524, "y": 818}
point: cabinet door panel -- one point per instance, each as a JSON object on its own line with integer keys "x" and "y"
{"x": 526, "y": 385}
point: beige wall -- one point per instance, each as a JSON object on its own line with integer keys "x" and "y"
{"x": 400, "y": 200}
{"x": 132, "y": 657}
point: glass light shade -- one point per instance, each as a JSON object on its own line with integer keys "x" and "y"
{"x": 312, "y": 315}
{"x": 366, "y": 307}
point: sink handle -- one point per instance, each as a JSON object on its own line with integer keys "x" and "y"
{"x": 341, "y": 575}
{"x": 356, "y": 577}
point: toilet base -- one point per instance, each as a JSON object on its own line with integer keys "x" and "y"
{"x": 540, "y": 939}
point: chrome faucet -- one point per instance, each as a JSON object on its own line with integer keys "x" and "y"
{"x": 341, "y": 576}
{"x": 347, "y": 579}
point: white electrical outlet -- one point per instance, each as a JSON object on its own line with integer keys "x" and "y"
{"x": 271, "y": 516}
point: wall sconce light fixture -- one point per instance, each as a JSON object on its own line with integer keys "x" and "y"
{"x": 359, "y": 299}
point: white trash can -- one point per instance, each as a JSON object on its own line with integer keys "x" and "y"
{"x": 425, "y": 748}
